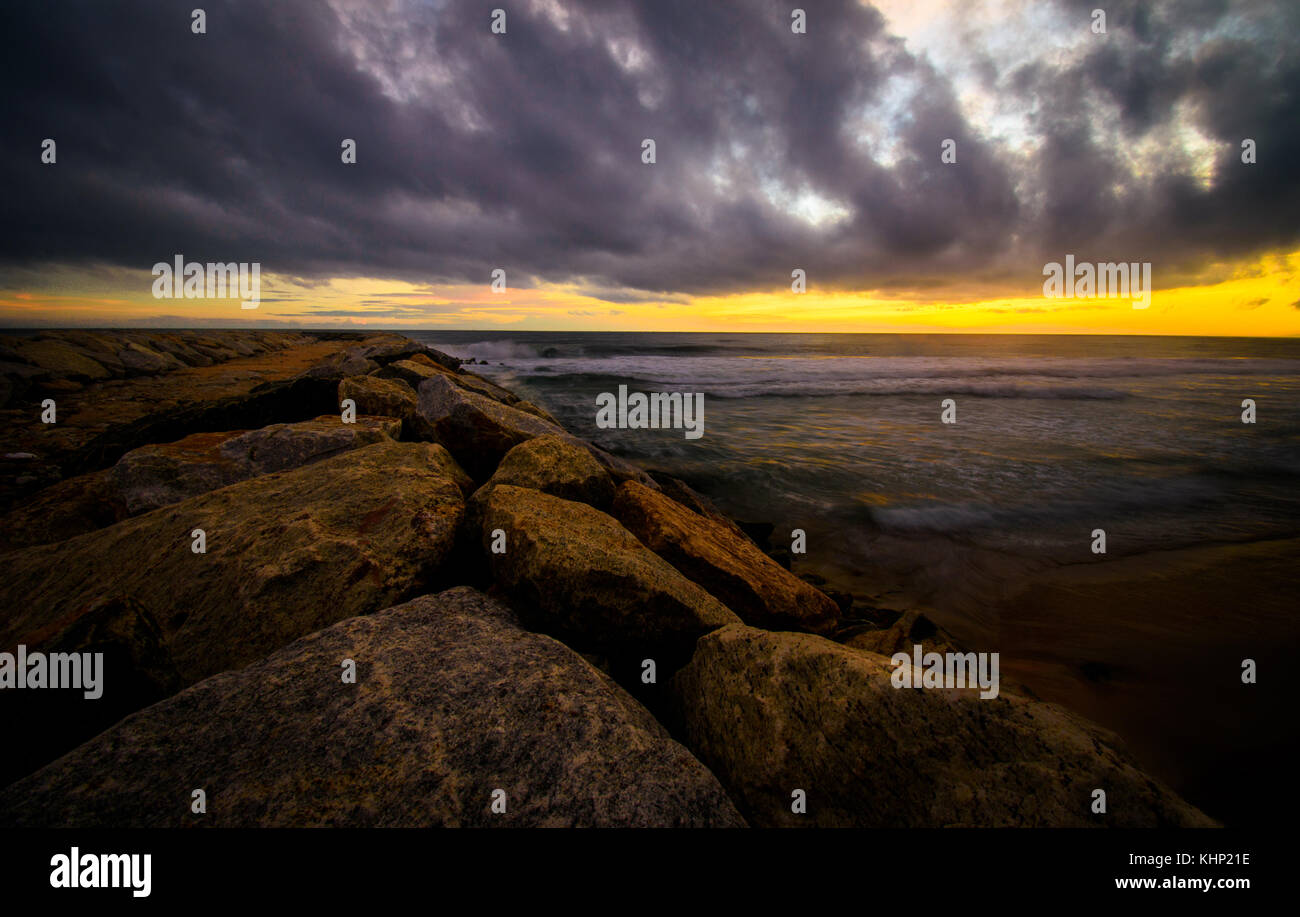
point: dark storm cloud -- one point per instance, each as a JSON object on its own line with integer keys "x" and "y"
{"x": 1241, "y": 81}
{"x": 522, "y": 151}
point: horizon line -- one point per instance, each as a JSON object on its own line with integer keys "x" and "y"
{"x": 401, "y": 330}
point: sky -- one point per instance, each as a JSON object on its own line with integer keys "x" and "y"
{"x": 775, "y": 151}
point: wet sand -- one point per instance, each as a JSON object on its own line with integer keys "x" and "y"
{"x": 1152, "y": 647}
{"x": 1149, "y": 646}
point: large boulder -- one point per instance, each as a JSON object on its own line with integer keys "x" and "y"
{"x": 214, "y": 350}
{"x": 481, "y": 386}
{"x": 161, "y": 474}
{"x": 177, "y": 346}
{"x": 587, "y": 577}
{"x": 433, "y": 357}
{"x": 723, "y": 561}
{"x": 452, "y": 702}
{"x": 286, "y": 554}
{"x": 415, "y": 370}
{"x": 477, "y": 429}
{"x": 166, "y": 473}
{"x": 373, "y": 395}
{"x": 557, "y": 466}
{"x": 386, "y": 397}
{"x": 282, "y": 446}
{"x": 772, "y": 713}
{"x": 529, "y": 408}
{"x": 62, "y": 360}
{"x": 101, "y": 347}
{"x": 338, "y": 366}
{"x": 388, "y": 346}
{"x": 412, "y": 372}
{"x": 138, "y": 360}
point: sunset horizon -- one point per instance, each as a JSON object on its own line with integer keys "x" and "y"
{"x": 913, "y": 166}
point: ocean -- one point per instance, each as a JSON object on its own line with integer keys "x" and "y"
{"x": 987, "y": 524}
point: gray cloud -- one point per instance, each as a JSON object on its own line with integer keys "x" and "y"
{"x": 522, "y": 151}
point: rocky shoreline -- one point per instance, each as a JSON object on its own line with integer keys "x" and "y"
{"x": 448, "y": 610}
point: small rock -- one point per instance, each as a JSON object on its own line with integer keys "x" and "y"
{"x": 913, "y": 628}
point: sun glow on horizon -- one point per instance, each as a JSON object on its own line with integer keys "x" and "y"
{"x": 1260, "y": 298}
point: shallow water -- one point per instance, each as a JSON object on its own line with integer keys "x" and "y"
{"x": 1055, "y": 436}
